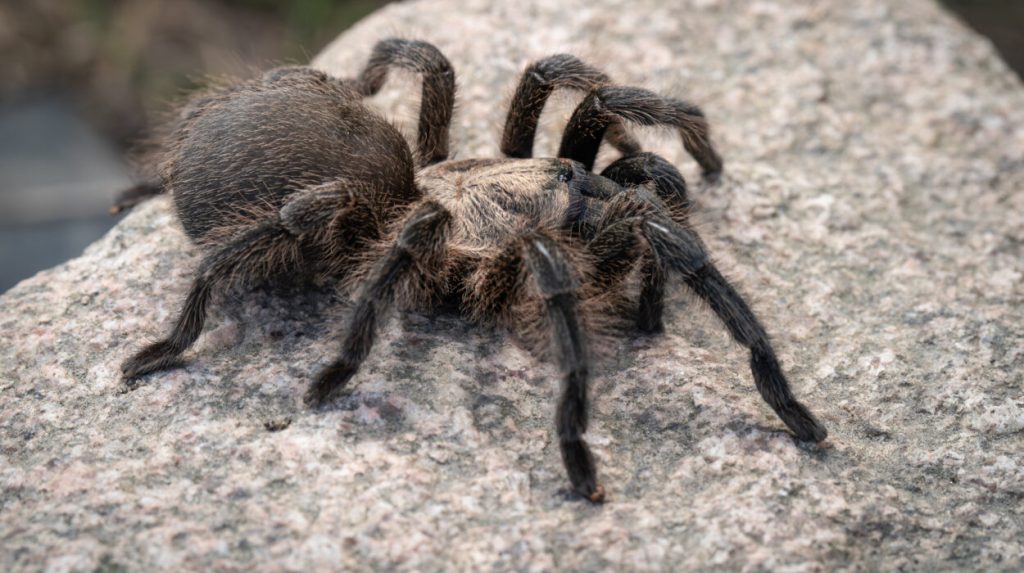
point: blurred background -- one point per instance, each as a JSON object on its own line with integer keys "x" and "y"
{"x": 84, "y": 80}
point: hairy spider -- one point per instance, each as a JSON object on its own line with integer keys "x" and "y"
{"x": 290, "y": 174}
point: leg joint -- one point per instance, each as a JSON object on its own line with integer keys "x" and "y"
{"x": 424, "y": 229}
{"x": 677, "y": 247}
{"x": 310, "y": 209}
{"x": 549, "y": 266}
{"x": 568, "y": 71}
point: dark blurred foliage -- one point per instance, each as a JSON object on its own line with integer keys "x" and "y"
{"x": 1001, "y": 20}
{"x": 82, "y": 81}
{"x": 122, "y": 61}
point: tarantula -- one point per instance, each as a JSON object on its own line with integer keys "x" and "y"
{"x": 290, "y": 174}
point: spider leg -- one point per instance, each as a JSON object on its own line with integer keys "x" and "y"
{"x": 539, "y": 80}
{"x": 416, "y": 249}
{"x": 551, "y": 271}
{"x": 606, "y": 105}
{"x": 630, "y": 219}
{"x": 136, "y": 194}
{"x": 646, "y": 167}
{"x": 616, "y": 249}
{"x": 438, "y": 93}
{"x": 496, "y": 286}
{"x": 651, "y": 307}
{"x": 680, "y": 249}
{"x": 270, "y": 248}
{"x": 640, "y": 169}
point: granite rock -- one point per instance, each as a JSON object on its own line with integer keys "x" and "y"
{"x": 872, "y": 209}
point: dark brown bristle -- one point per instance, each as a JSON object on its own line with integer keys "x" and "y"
{"x": 290, "y": 176}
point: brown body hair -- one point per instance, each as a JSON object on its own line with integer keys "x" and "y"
{"x": 291, "y": 175}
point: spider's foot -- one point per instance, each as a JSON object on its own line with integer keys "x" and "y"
{"x": 157, "y": 356}
{"x": 579, "y": 462}
{"x": 327, "y": 382}
{"x": 591, "y": 491}
{"x": 134, "y": 195}
{"x": 277, "y": 424}
{"x": 129, "y": 385}
{"x": 800, "y": 420}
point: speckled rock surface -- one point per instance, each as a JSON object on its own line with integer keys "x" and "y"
{"x": 872, "y": 209}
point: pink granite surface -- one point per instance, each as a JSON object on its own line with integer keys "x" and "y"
{"x": 872, "y": 208}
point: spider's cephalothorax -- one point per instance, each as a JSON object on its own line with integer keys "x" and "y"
{"x": 291, "y": 174}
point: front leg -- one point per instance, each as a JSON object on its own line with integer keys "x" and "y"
{"x": 681, "y": 250}
{"x": 634, "y": 226}
{"x": 538, "y": 263}
{"x": 606, "y": 106}
{"x": 649, "y": 169}
{"x": 538, "y": 82}
{"x": 616, "y": 247}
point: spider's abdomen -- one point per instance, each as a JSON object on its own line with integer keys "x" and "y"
{"x": 244, "y": 151}
{"x": 495, "y": 201}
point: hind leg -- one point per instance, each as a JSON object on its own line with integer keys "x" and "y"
{"x": 264, "y": 250}
{"x": 136, "y": 194}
